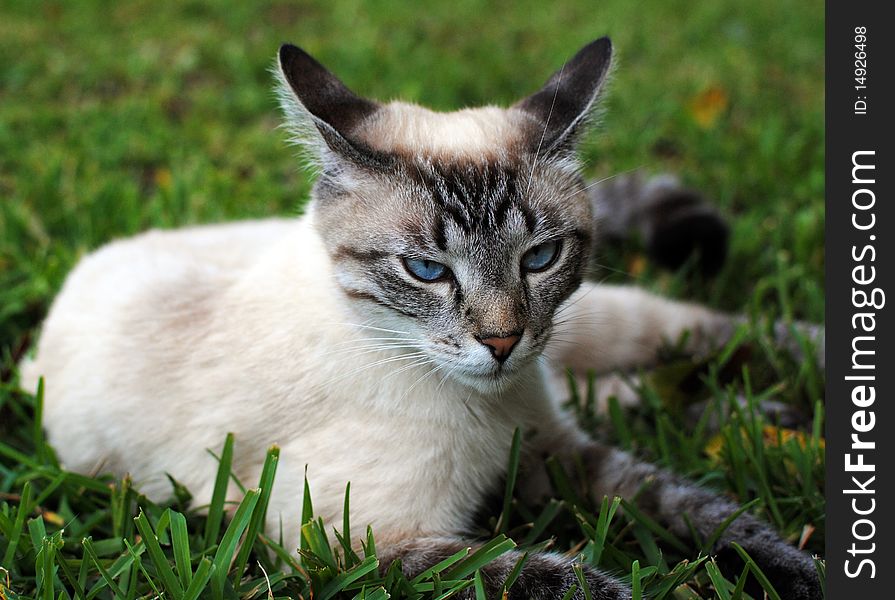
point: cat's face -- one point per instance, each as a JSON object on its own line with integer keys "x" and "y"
{"x": 459, "y": 235}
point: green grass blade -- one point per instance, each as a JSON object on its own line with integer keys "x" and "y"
{"x": 738, "y": 592}
{"x": 722, "y": 527}
{"x": 307, "y": 509}
{"x": 680, "y": 574}
{"x": 106, "y": 576}
{"x": 513, "y": 576}
{"x": 37, "y": 531}
{"x": 180, "y": 541}
{"x": 570, "y": 593}
{"x": 582, "y": 581}
{"x": 17, "y": 527}
{"x": 45, "y": 566}
{"x": 512, "y": 471}
{"x": 454, "y": 590}
{"x": 636, "y": 591}
{"x": 378, "y": 593}
{"x": 351, "y": 557}
{"x": 481, "y": 557}
{"x": 227, "y": 548}
{"x": 601, "y": 531}
{"x": 635, "y": 514}
{"x": 620, "y": 424}
{"x": 548, "y": 514}
{"x": 219, "y": 495}
{"x": 479, "y": 585}
{"x": 256, "y": 524}
{"x": 203, "y": 574}
{"x": 757, "y": 572}
{"x": 345, "y": 579}
{"x": 158, "y": 558}
{"x": 71, "y": 577}
{"x": 719, "y": 582}
{"x": 138, "y": 563}
{"x": 562, "y": 484}
{"x": 442, "y": 565}
{"x": 821, "y": 567}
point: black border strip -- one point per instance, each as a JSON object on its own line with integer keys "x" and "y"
{"x": 859, "y": 261}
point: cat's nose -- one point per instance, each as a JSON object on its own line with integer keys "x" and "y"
{"x": 501, "y": 346}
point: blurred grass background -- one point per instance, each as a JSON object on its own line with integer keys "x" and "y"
{"x": 117, "y": 117}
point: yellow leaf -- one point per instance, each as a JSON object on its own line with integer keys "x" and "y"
{"x": 163, "y": 178}
{"x": 708, "y": 105}
{"x": 770, "y": 434}
{"x": 637, "y": 265}
{"x": 53, "y": 518}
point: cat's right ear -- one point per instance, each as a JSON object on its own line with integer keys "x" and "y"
{"x": 322, "y": 114}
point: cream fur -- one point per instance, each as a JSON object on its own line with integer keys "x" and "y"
{"x": 413, "y": 129}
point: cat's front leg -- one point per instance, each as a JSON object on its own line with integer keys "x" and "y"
{"x": 610, "y": 327}
{"x": 544, "y": 576}
{"x": 606, "y": 328}
{"x": 672, "y": 500}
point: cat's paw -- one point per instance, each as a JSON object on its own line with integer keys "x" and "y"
{"x": 788, "y": 337}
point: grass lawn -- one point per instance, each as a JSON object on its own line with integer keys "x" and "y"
{"x": 118, "y": 117}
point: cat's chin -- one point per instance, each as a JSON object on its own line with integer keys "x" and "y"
{"x": 490, "y": 381}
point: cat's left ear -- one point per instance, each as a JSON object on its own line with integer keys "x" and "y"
{"x": 321, "y": 112}
{"x": 568, "y": 98}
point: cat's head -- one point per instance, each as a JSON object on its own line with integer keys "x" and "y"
{"x": 460, "y": 233}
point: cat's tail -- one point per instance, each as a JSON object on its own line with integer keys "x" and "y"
{"x": 671, "y": 220}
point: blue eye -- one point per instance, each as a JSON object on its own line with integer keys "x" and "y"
{"x": 540, "y": 257}
{"x": 426, "y": 270}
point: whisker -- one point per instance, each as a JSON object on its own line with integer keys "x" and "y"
{"x": 425, "y": 375}
{"x": 410, "y": 366}
{"x": 374, "y": 339}
{"x": 358, "y": 325}
{"x": 360, "y": 350}
{"x": 343, "y": 376}
{"x": 599, "y": 181}
{"x": 534, "y": 162}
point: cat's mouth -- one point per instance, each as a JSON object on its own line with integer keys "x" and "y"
{"x": 491, "y": 375}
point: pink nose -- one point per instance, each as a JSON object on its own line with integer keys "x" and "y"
{"x": 501, "y": 346}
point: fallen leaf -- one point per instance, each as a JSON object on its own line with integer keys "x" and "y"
{"x": 708, "y": 105}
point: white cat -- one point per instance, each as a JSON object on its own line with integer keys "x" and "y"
{"x": 394, "y": 336}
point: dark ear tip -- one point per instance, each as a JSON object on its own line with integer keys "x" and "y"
{"x": 602, "y": 46}
{"x": 288, "y": 52}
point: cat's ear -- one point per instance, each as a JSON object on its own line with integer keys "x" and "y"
{"x": 568, "y": 98}
{"x": 321, "y": 112}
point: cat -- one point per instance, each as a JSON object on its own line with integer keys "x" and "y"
{"x": 394, "y": 336}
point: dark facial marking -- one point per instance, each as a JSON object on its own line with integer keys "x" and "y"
{"x": 500, "y": 213}
{"x": 361, "y": 295}
{"x": 438, "y": 234}
{"x": 359, "y": 254}
{"x": 475, "y": 196}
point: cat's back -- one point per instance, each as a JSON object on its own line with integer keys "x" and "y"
{"x": 145, "y": 298}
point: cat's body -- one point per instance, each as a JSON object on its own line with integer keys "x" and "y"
{"x": 307, "y": 383}
{"x": 390, "y": 337}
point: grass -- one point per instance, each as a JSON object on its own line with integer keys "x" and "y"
{"x": 117, "y": 118}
